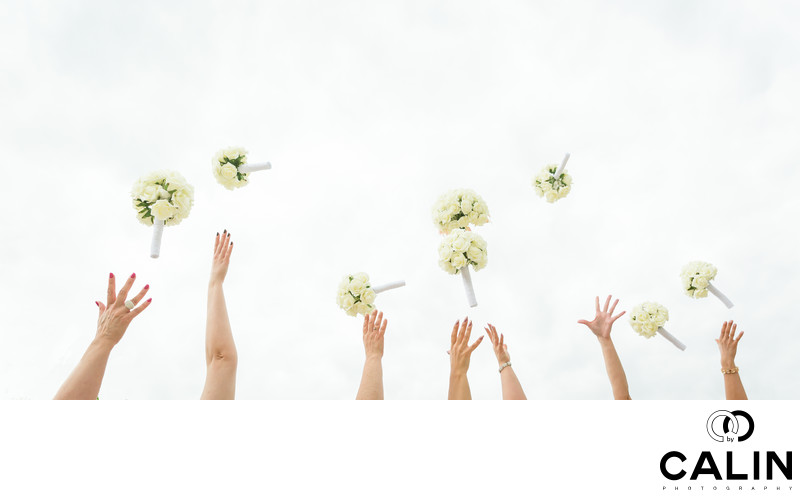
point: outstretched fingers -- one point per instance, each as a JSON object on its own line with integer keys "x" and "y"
{"x": 476, "y": 344}
{"x": 739, "y": 337}
{"x": 123, "y": 292}
{"x": 366, "y": 323}
{"x": 613, "y": 307}
{"x": 112, "y": 293}
{"x": 138, "y": 297}
{"x": 608, "y": 300}
{"x": 454, "y": 334}
{"x": 597, "y": 304}
{"x": 135, "y": 311}
{"x": 614, "y": 319}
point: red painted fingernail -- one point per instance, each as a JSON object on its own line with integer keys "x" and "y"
{"x": 110, "y": 275}
{"x": 149, "y": 299}
{"x": 133, "y": 275}
{"x": 147, "y": 286}
{"x": 97, "y": 303}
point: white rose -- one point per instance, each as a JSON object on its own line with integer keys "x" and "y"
{"x": 182, "y": 201}
{"x": 650, "y": 327}
{"x": 368, "y": 296}
{"x": 444, "y": 252}
{"x": 228, "y": 171}
{"x": 466, "y": 206}
{"x": 459, "y": 261}
{"x": 461, "y": 243}
{"x": 346, "y": 301}
{"x": 701, "y": 293}
{"x": 446, "y": 266}
{"x": 701, "y": 282}
{"x": 474, "y": 253}
{"x": 162, "y": 210}
{"x": 363, "y": 308}
{"x": 163, "y": 194}
{"x": 150, "y": 193}
{"x": 551, "y": 196}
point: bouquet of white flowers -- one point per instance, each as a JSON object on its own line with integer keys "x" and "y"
{"x": 162, "y": 198}
{"x": 460, "y": 208}
{"x": 552, "y": 182}
{"x": 696, "y": 278}
{"x": 459, "y": 250}
{"x": 357, "y": 296}
{"x": 648, "y": 318}
{"x": 231, "y": 168}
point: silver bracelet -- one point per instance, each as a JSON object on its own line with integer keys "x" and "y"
{"x": 504, "y": 365}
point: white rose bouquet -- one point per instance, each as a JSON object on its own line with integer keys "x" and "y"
{"x": 648, "y": 318}
{"x": 552, "y": 182}
{"x": 460, "y": 208}
{"x": 696, "y": 278}
{"x": 357, "y": 296}
{"x": 459, "y": 250}
{"x": 231, "y": 168}
{"x": 161, "y": 198}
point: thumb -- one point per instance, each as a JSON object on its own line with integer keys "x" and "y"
{"x": 583, "y": 322}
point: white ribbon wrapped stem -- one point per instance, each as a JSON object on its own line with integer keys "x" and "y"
{"x": 155, "y": 244}
{"x": 385, "y": 287}
{"x": 250, "y": 167}
{"x": 671, "y": 338}
{"x": 467, "y": 279}
{"x": 563, "y": 165}
{"x": 727, "y": 302}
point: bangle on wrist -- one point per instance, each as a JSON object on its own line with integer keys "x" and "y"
{"x": 733, "y": 370}
{"x": 504, "y": 365}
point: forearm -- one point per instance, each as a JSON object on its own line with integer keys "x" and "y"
{"x": 459, "y": 386}
{"x": 85, "y": 380}
{"x": 512, "y": 389}
{"x": 371, "y": 379}
{"x": 734, "y": 389}
{"x": 219, "y": 338}
{"x": 616, "y": 374}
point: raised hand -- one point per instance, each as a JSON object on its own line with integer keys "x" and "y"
{"x": 512, "y": 389}
{"x": 374, "y": 329}
{"x": 373, "y": 332}
{"x": 728, "y": 342}
{"x": 603, "y": 320}
{"x": 460, "y": 349}
{"x": 223, "y": 246}
{"x": 112, "y": 322}
{"x": 114, "y": 316}
{"x": 601, "y": 328}
{"x": 500, "y": 348}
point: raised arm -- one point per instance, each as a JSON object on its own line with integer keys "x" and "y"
{"x": 601, "y": 328}
{"x": 728, "y": 342}
{"x": 512, "y": 389}
{"x": 460, "y": 352}
{"x": 115, "y": 316}
{"x": 372, "y": 377}
{"x": 221, "y": 359}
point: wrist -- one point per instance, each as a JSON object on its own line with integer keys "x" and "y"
{"x": 102, "y": 343}
{"x": 605, "y": 341}
{"x": 727, "y": 364}
{"x": 215, "y": 283}
{"x": 374, "y": 356}
{"x": 457, "y": 373}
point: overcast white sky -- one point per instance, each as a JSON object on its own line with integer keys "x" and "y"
{"x": 681, "y": 117}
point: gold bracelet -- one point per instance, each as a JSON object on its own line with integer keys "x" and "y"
{"x": 731, "y": 371}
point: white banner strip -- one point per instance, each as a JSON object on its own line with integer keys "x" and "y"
{"x": 467, "y": 279}
{"x": 391, "y": 285}
{"x": 727, "y": 302}
{"x": 250, "y": 167}
{"x": 563, "y": 165}
{"x": 155, "y": 244}
{"x": 671, "y": 338}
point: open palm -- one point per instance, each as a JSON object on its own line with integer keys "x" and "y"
{"x": 603, "y": 320}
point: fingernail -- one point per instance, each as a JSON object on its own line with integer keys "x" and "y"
{"x": 97, "y": 303}
{"x": 149, "y": 299}
{"x": 217, "y": 234}
{"x": 225, "y": 231}
{"x": 147, "y": 286}
{"x": 229, "y": 234}
{"x": 110, "y": 275}
{"x": 133, "y": 275}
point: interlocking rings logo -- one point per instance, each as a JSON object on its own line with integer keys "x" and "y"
{"x": 730, "y": 425}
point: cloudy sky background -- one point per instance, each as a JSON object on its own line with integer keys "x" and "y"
{"x": 681, "y": 117}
